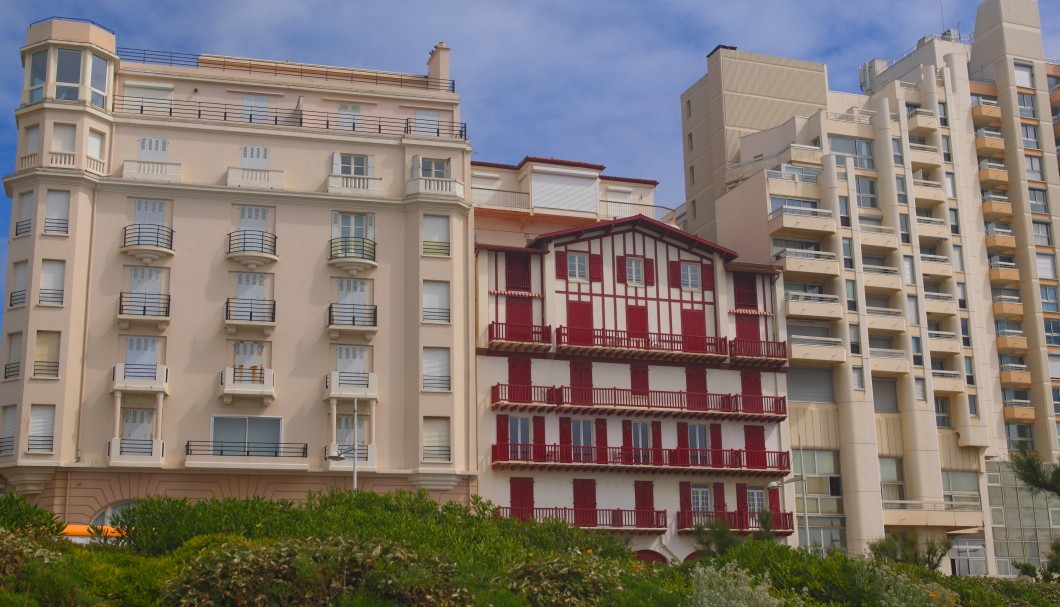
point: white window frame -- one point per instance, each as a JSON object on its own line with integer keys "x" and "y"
{"x": 691, "y": 277}
{"x": 578, "y": 267}
{"x": 635, "y": 271}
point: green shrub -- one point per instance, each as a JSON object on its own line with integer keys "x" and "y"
{"x": 26, "y": 519}
{"x": 901, "y": 547}
{"x": 573, "y": 578}
{"x": 16, "y": 552}
{"x": 728, "y": 586}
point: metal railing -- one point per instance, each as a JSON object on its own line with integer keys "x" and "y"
{"x": 919, "y": 147}
{"x": 1002, "y": 265}
{"x": 647, "y": 399}
{"x": 143, "y": 304}
{"x": 994, "y": 196}
{"x": 439, "y": 248}
{"x": 252, "y": 241}
{"x": 23, "y": 227}
{"x": 804, "y": 254}
{"x": 250, "y": 310}
{"x": 436, "y": 314}
{"x": 917, "y": 111}
{"x": 871, "y": 229}
{"x": 926, "y": 258}
{"x": 986, "y": 131}
{"x": 347, "y": 449}
{"x": 811, "y": 297}
{"x": 797, "y": 177}
{"x": 930, "y": 506}
{"x": 140, "y": 371}
{"x": 352, "y": 315}
{"x": 810, "y": 340}
{"x": 943, "y": 374}
{"x": 929, "y": 221}
{"x": 650, "y": 456}
{"x": 877, "y": 311}
{"x": 865, "y": 118}
{"x": 636, "y": 340}
{"x": 988, "y": 163}
{"x": 352, "y": 247}
{"x": 606, "y": 518}
{"x": 56, "y": 226}
{"x": 1013, "y": 368}
{"x": 738, "y": 520}
{"x": 12, "y": 370}
{"x": 506, "y": 199}
{"x": 1015, "y": 402}
{"x": 505, "y": 331}
{"x": 288, "y": 117}
{"x": 246, "y": 449}
{"x": 437, "y": 453}
{"x": 40, "y": 443}
{"x": 7, "y": 445}
{"x": 924, "y": 183}
{"x": 246, "y": 375}
{"x": 516, "y": 280}
{"x": 348, "y": 379}
{"x": 50, "y": 296}
{"x": 886, "y": 353}
{"x": 758, "y": 348}
{"x": 618, "y": 210}
{"x": 1007, "y": 299}
{"x": 136, "y": 446}
{"x": 948, "y": 335}
{"x": 46, "y": 368}
{"x": 884, "y": 270}
{"x": 147, "y": 235}
{"x": 437, "y": 382}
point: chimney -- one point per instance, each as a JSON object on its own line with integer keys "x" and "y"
{"x": 438, "y": 62}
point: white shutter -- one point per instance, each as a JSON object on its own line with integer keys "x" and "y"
{"x": 53, "y": 274}
{"x": 810, "y": 385}
{"x": 344, "y": 431}
{"x": 427, "y": 122}
{"x": 25, "y": 206}
{"x": 58, "y": 205}
{"x": 141, "y": 350}
{"x": 371, "y": 165}
{"x": 150, "y": 212}
{"x": 436, "y": 432}
{"x": 907, "y": 269}
{"x": 436, "y": 362}
{"x": 564, "y": 192}
{"x": 47, "y": 349}
{"x": 254, "y": 157}
{"x": 921, "y": 388}
{"x": 255, "y": 108}
{"x": 353, "y": 291}
{"x": 349, "y": 116}
{"x": 436, "y": 294}
{"x": 14, "y": 347}
{"x": 250, "y": 285}
{"x": 63, "y": 137}
{"x": 41, "y": 420}
{"x": 369, "y": 226}
{"x": 146, "y": 280}
{"x": 1054, "y": 366}
{"x": 95, "y": 145}
{"x": 137, "y": 424}
{"x": 417, "y": 167}
{"x": 336, "y": 163}
{"x": 32, "y": 140}
{"x": 249, "y": 353}
{"x": 885, "y": 394}
{"x": 913, "y": 309}
{"x": 21, "y": 275}
{"x": 10, "y": 413}
{"x": 153, "y": 149}
{"x": 254, "y": 218}
{"x": 1046, "y": 265}
{"x": 152, "y": 100}
{"x": 349, "y": 359}
{"x": 435, "y": 228}
{"x": 958, "y": 258}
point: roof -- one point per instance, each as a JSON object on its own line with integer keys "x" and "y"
{"x": 753, "y": 268}
{"x": 641, "y": 221}
{"x": 565, "y": 163}
{"x": 650, "y": 182}
{"x": 506, "y": 248}
{"x": 561, "y": 162}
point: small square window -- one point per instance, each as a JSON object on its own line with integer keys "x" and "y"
{"x": 635, "y": 271}
{"x": 690, "y": 277}
{"x": 353, "y": 164}
{"x": 577, "y": 266}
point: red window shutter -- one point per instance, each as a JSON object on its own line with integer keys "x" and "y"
{"x": 627, "y": 433}
{"x": 682, "y": 435}
{"x": 684, "y": 492}
{"x": 561, "y": 264}
{"x": 539, "y": 429}
{"x": 564, "y": 431}
{"x": 649, "y": 272}
{"x": 719, "y": 497}
{"x": 656, "y": 435}
{"x": 521, "y": 494}
{"x": 715, "y": 436}
{"x": 644, "y": 495}
{"x": 675, "y": 274}
{"x": 707, "y": 276}
{"x": 774, "y": 499}
{"x": 596, "y": 268}
{"x": 751, "y": 383}
{"x": 601, "y": 432}
{"x": 741, "y": 497}
{"x": 502, "y": 429}
{"x": 638, "y": 379}
{"x": 696, "y": 380}
{"x": 620, "y": 268}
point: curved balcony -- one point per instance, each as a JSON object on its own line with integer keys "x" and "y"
{"x": 252, "y": 248}
{"x": 612, "y": 342}
{"x": 631, "y": 459}
{"x": 354, "y": 319}
{"x": 616, "y": 519}
{"x": 739, "y": 521}
{"x": 759, "y": 352}
{"x": 147, "y": 242}
{"x": 525, "y": 338}
{"x": 352, "y": 254}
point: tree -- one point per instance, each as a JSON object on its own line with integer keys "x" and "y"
{"x": 904, "y": 548}
{"x": 1037, "y": 475}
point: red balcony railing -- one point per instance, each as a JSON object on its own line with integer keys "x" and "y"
{"x": 754, "y": 348}
{"x": 523, "y": 394}
{"x": 737, "y": 521}
{"x": 649, "y": 399}
{"x": 504, "y": 331}
{"x": 517, "y": 281}
{"x": 746, "y": 298}
{"x": 751, "y": 403}
{"x": 730, "y": 459}
{"x": 638, "y": 340}
{"x": 615, "y": 518}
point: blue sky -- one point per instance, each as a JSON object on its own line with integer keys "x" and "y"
{"x": 592, "y": 80}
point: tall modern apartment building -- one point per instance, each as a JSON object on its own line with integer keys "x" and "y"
{"x": 224, "y": 270}
{"x": 914, "y": 227}
{"x": 629, "y": 374}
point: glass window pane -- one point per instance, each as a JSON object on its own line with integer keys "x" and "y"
{"x": 68, "y": 66}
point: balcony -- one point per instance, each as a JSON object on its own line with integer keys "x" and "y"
{"x": 145, "y": 308}
{"x": 797, "y": 220}
{"x": 612, "y": 342}
{"x": 924, "y": 157}
{"x": 501, "y": 200}
{"x": 352, "y": 319}
{"x": 891, "y": 320}
{"x": 986, "y": 113}
{"x": 256, "y": 179}
{"x": 248, "y": 383}
{"x": 920, "y": 513}
{"x": 523, "y": 338}
{"x": 365, "y": 455}
{"x": 996, "y": 206}
{"x": 922, "y": 121}
{"x": 612, "y": 519}
{"x": 888, "y": 361}
{"x": 345, "y": 385}
{"x": 146, "y": 170}
{"x": 141, "y": 378}
{"x": 939, "y": 303}
{"x": 783, "y": 523}
{"x": 242, "y": 455}
{"x": 936, "y": 266}
{"x": 135, "y": 452}
{"x": 45, "y": 369}
{"x": 1015, "y": 376}
{"x": 797, "y": 185}
{"x": 879, "y": 237}
{"x": 250, "y": 313}
{"x": 1020, "y": 411}
{"x": 252, "y": 248}
{"x": 629, "y": 459}
{"x": 28, "y": 161}
{"x": 423, "y": 186}
{"x": 992, "y": 173}
{"x": 1000, "y": 239}
{"x": 1008, "y": 307}
{"x": 803, "y": 262}
{"x": 354, "y": 185}
{"x": 147, "y": 242}
{"x": 988, "y": 141}
{"x": 810, "y": 305}
{"x": 352, "y": 254}
{"x": 944, "y": 342}
{"x": 817, "y": 350}
{"x": 759, "y": 351}
{"x": 882, "y": 277}
{"x": 929, "y": 192}
{"x": 40, "y": 443}
{"x": 1011, "y": 342}
{"x": 931, "y": 228}
{"x": 1004, "y": 273}
{"x": 948, "y": 382}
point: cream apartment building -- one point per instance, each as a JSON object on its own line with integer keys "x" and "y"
{"x": 224, "y": 270}
{"x": 913, "y": 224}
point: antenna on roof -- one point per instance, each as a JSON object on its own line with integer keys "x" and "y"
{"x": 943, "y": 13}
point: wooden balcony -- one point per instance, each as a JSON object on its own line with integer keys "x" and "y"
{"x": 730, "y": 462}
{"x": 636, "y": 344}
{"x": 517, "y": 337}
{"x": 759, "y": 352}
{"x": 607, "y": 519}
{"x": 738, "y": 521}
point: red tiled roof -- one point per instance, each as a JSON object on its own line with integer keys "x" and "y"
{"x": 506, "y": 248}
{"x": 651, "y": 182}
{"x": 670, "y": 231}
{"x": 561, "y": 162}
{"x": 493, "y": 165}
{"x": 753, "y": 268}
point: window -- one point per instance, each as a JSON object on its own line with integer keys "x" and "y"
{"x": 824, "y": 487}
{"x": 434, "y": 168}
{"x": 848, "y": 253}
{"x": 855, "y": 339}
{"x": 920, "y": 386}
{"x": 918, "y": 350}
{"x": 884, "y": 394}
{"x": 1052, "y": 332}
{"x": 67, "y": 74}
{"x": 1034, "y": 168}
{"x": 63, "y": 138}
{"x": 1038, "y": 201}
{"x": 1056, "y": 399}
{"x": 1030, "y": 136}
{"x": 255, "y": 108}
{"x": 1020, "y": 437}
{"x": 962, "y": 295}
{"x": 582, "y": 440}
{"x": 38, "y": 71}
{"x": 578, "y": 266}
{"x": 973, "y": 405}
{"x": 436, "y": 369}
{"x": 892, "y": 481}
{"x": 96, "y": 145}
{"x": 692, "y": 175}
{"x": 844, "y": 211}
{"x": 903, "y": 227}
{"x": 1041, "y": 233}
{"x": 690, "y": 276}
{"x": 943, "y": 118}
{"x": 19, "y": 280}
{"x": 355, "y": 165}
{"x": 41, "y": 428}
{"x": 436, "y": 441}
{"x": 942, "y": 412}
{"x": 46, "y": 355}
{"x": 1046, "y": 265}
{"x": 701, "y": 498}
{"x": 243, "y": 436}
{"x": 10, "y": 422}
{"x": 860, "y": 149}
{"x": 969, "y": 371}
{"x": 349, "y": 116}
{"x": 641, "y": 442}
{"x": 966, "y": 339}
{"x": 97, "y": 81}
{"x": 350, "y": 434}
{"x": 254, "y": 157}
{"x": 913, "y": 309}
{"x": 896, "y": 150}
{"x": 857, "y": 377}
{"x": 53, "y": 276}
{"x": 153, "y": 149}
{"x": 852, "y": 302}
{"x": 149, "y": 99}
{"x": 1024, "y": 75}
{"x": 866, "y": 191}
{"x": 635, "y": 271}
{"x": 947, "y": 153}
{"x": 899, "y": 184}
{"x": 690, "y": 142}
{"x": 1049, "y": 301}
{"x": 428, "y": 123}
{"x": 519, "y": 437}
{"x": 960, "y": 487}
{"x": 13, "y": 367}
{"x": 958, "y": 258}
{"x": 436, "y": 235}
{"x": 688, "y": 108}
{"x": 1026, "y": 105}
{"x": 31, "y": 140}
{"x": 57, "y": 212}
{"x": 436, "y": 302}
{"x": 949, "y": 182}
{"x": 955, "y": 225}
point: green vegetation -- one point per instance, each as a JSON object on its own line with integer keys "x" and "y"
{"x": 363, "y": 549}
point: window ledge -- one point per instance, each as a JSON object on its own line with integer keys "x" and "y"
{"x": 50, "y": 305}
{"x": 10, "y": 379}
{"x": 44, "y": 378}
{"x": 436, "y": 391}
{"x": 436, "y": 322}
{"x": 63, "y": 234}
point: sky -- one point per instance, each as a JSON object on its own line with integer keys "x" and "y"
{"x": 591, "y": 80}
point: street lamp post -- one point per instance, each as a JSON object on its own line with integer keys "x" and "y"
{"x": 805, "y": 510}
{"x": 352, "y": 449}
